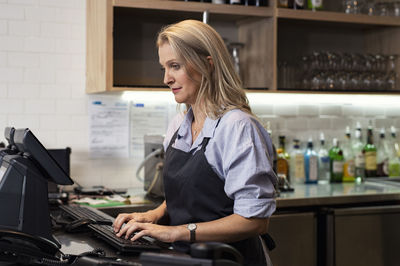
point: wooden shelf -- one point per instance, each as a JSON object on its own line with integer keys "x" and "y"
{"x": 240, "y": 12}
{"x": 336, "y": 17}
{"x": 121, "y": 54}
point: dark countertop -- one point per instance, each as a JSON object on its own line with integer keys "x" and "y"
{"x": 305, "y": 195}
{"x": 337, "y": 194}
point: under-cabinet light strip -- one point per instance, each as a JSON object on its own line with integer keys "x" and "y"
{"x": 282, "y": 98}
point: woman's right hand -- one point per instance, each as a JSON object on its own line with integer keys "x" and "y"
{"x": 141, "y": 217}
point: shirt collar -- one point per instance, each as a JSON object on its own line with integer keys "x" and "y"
{"x": 208, "y": 128}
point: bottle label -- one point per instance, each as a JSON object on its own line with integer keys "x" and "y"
{"x": 370, "y": 160}
{"x": 359, "y": 160}
{"x": 337, "y": 167}
{"x": 348, "y": 169}
{"x": 282, "y": 167}
{"x": 313, "y": 168}
{"x": 299, "y": 3}
{"x": 324, "y": 172}
{"x": 299, "y": 166}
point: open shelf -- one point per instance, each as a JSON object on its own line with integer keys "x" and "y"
{"x": 337, "y": 17}
{"x": 122, "y": 55}
{"x": 229, "y": 11}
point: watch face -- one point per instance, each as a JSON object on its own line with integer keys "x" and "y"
{"x": 191, "y": 226}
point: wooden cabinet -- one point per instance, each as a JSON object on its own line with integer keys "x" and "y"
{"x": 121, "y": 51}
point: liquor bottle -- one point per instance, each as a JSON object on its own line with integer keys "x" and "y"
{"x": 348, "y": 155}
{"x": 359, "y": 156}
{"x": 283, "y": 3}
{"x": 315, "y": 4}
{"x": 394, "y": 166}
{"x": 336, "y": 165}
{"x": 370, "y": 154}
{"x": 297, "y": 174}
{"x": 267, "y": 127}
{"x": 311, "y": 164}
{"x": 395, "y": 143}
{"x": 382, "y": 155}
{"x": 282, "y": 162}
{"x": 324, "y": 175}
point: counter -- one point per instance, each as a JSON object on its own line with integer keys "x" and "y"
{"x": 338, "y": 194}
{"x": 329, "y": 225}
{"x": 304, "y": 195}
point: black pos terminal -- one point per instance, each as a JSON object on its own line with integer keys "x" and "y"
{"x": 25, "y": 226}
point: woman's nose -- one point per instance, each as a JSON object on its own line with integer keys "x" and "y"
{"x": 168, "y": 80}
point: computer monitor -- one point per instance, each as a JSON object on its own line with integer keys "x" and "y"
{"x": 27, "y": 143}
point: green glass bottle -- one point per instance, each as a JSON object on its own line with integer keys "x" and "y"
{"x": 336, "y": 162}
{"x": 370, "y": 155}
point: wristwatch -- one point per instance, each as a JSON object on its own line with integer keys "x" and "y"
{"x": 192, "y": 228}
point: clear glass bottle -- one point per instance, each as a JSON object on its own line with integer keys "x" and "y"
{"x": 383, "y": 155}
{"x": 297, "y": 174}
{"x": 298, "y": 4}
{"x": 336, "y": 165}
{"x": 359, "y": 156}
{"x": 394, "y": 139}
{"x": 348, "y": 166}
{"x": 324, "y": 175}
{"x": 311, "y": 164}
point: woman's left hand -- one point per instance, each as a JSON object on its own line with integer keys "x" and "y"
{"x": 162, "y": 233}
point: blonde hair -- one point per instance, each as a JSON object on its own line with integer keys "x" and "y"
{"x": 220, "y": 88}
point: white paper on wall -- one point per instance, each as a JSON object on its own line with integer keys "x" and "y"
{"x": 146, "y": 118}
{"x": 108, "y": 127}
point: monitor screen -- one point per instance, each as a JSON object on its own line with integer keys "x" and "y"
{"x": 27, "y": 143}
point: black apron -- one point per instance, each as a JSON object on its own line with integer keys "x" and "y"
{"x": 194, "y": 193}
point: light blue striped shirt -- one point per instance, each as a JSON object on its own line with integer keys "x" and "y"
{"x": 240, "y": 152}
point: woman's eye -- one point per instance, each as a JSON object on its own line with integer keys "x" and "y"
{"x": 175, "y": 66}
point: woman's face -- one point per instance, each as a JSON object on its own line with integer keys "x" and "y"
{"x": 183, "y": 87}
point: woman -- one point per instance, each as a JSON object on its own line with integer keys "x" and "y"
{"x": 218, "y": 177}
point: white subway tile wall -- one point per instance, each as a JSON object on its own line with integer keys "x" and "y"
{"x": 42, "y": 86}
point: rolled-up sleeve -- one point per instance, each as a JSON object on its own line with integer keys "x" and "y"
{"x": 247, "y": 169}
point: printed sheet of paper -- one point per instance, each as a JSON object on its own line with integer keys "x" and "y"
{"x": 109, "y": 127}
{"x": 146, "y": 118}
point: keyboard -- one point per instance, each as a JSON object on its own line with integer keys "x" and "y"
{"x": 105, "y": 231}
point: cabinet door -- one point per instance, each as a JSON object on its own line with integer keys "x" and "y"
{"x": 366, "y": 236}
{"x": 295, "y": 235}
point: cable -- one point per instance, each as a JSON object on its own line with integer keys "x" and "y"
{"x": 157, "y": 176}
{"x": 148, "y": 157}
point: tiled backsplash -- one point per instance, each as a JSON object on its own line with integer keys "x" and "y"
{"x": 42, "y": 87}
